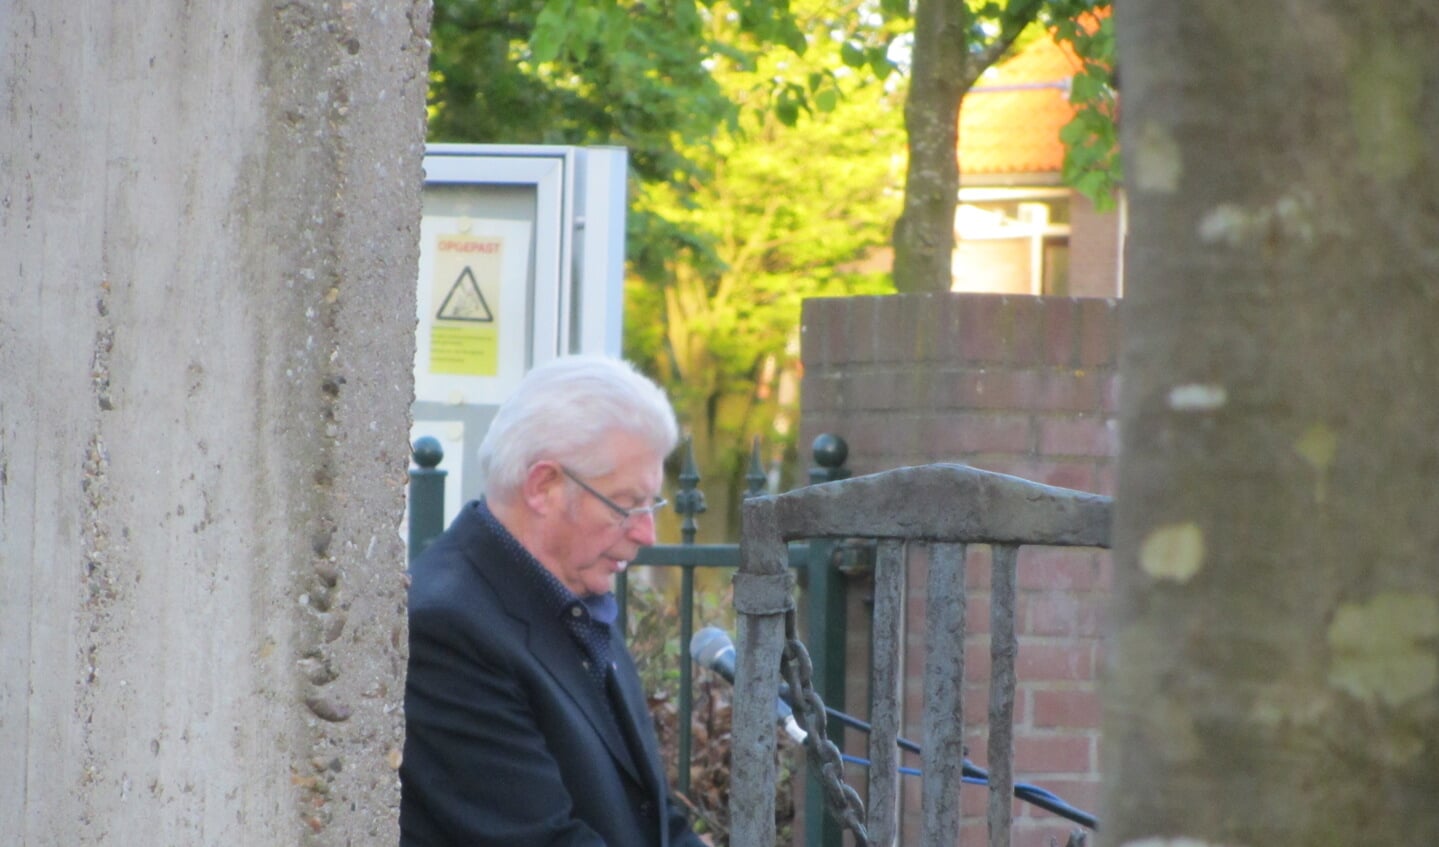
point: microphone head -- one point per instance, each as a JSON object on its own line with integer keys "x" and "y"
{"x": 708, "y": 644}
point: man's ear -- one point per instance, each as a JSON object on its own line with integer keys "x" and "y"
{"x": 543, "y": 487}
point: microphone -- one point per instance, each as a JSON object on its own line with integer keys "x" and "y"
{"x": 712, "y": 648}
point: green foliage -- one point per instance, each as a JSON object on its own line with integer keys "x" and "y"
{"x": 801, "y": 191}
{"x": 1091, "y": 162}
{"x": 652, "y": 633}
{"x": 895, "y": 9}
{"x": 581, "y": 72}
{"x": 765, "y": 144}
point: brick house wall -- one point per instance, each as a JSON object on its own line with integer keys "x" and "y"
{"x": 1095, "y": 238}
{"x": 1016, "y": 384}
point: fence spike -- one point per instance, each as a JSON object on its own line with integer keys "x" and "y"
{"x": 755, "y": 481}
{"x": 689, "y": 500}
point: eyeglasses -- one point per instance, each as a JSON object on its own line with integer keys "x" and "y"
{"x": 625, "y": 515}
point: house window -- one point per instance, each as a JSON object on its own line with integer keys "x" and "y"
{"x": 1012, "y": 241}
{"x": 1056, "y": 266}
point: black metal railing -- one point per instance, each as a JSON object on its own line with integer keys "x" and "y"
{"x": 427, "y": 494}
{"x": 688, "y": 556}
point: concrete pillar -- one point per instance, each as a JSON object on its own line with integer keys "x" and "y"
{"x": 209, "y": 222}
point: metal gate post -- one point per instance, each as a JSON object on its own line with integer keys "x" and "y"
{"x": 427, "y": 494}
{"x": 825, "y": 636}
{"x": 689, "y": 501}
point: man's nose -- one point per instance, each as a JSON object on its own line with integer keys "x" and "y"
{"x": 641, "y": 529}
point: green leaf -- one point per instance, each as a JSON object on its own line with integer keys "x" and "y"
{"x": 796, "y": 42}
{"x": 1073, "y": 132}
{"x": 880, "y": 65}
{"x": 1084, "y": 87}
{"x": 895, "y": 9}
{"x": 1091, "y": 184}
{"x": 586, "y": 20}
{"x": 549, "y": 33}
{"x": 686, "y": 16}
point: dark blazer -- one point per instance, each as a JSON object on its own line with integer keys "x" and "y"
{"x": 509, "y": 743}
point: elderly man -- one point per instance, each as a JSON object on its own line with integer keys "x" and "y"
{"x": 524, "y": 717}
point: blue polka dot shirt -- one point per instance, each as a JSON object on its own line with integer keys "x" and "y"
{"x": 587, "y": 619}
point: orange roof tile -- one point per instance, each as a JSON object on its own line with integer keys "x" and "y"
{"x": 1010, "y": 120}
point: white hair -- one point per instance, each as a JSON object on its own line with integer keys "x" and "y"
{"x": 563, "y": 409}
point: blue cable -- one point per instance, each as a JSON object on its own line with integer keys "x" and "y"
{"x": 1031, "y": 793}
{"x": 972, "y": 774}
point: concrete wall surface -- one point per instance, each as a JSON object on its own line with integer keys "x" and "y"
{"x": 208, "y": 244}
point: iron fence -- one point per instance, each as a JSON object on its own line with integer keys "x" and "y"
{"x": 945, "y": 508}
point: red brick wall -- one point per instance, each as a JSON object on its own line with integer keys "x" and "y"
{"x": 1016, "y": 384}
{"x": 1094, "y": 242}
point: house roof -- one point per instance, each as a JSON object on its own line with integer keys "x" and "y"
{"x": 1010, "y": 119}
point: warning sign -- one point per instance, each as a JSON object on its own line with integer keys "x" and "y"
{"x": 465, "y": 286}
{"x": 466, "y": 302}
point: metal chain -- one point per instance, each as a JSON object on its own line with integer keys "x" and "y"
{"x": 841, "y": 800}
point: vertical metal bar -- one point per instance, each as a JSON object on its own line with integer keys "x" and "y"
{"x": 755, "y": 480}
{"x": 427, "y": 494}
{"x": 686, "y": 705}
{"x": 1004, "y": 647}
{"x": 943, "y": 757}
{"x": 622, "y": 598}
{"x": 825, "y": 637}
{"x": 689, "y": 501}
{"x": 889, "y": 579}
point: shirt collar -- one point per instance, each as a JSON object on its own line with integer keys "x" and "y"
{"x": 603, "y": 607}
{"x": 557, "y": 598}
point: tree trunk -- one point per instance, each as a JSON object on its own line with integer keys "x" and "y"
{"x": 1273, "y": 676}
{"x": 924, "y": 234}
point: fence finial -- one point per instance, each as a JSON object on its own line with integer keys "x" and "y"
{"x": 829, "y": 451}
{"x": 427, "y": 493}
{"x": 689, "y": 500}
{"x": 755, "y": 481}
{"x": 427, "y": 452}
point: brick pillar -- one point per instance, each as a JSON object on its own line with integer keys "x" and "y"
{"x": 1014, "y": 384}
